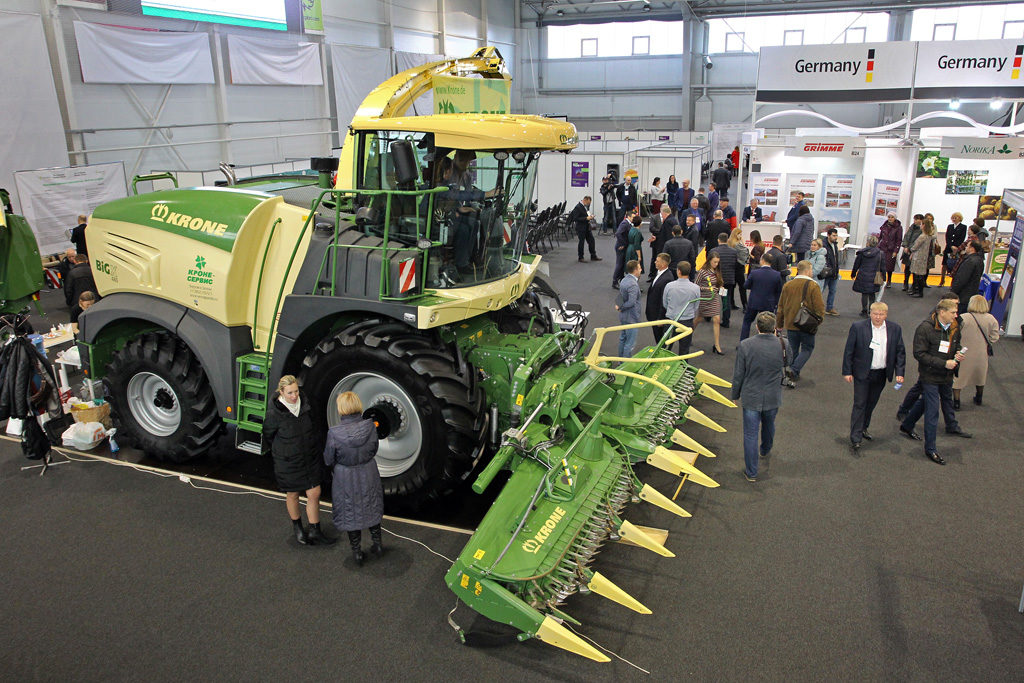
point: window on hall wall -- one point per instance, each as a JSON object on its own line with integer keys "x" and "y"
{"x": 975, "y": 22}
{"x": 734, "y": 42}
{"x": 588, "y": 47}
{"x": 1013, "y": 29}
{"x": 616, "y": 39}
{"x": 798, "y": 29}
{"x": 944, "y": 32}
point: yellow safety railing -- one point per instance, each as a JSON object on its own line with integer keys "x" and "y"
{"x": 594, "y": 356}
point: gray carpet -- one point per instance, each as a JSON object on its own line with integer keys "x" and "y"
{"x": 882, "y": 566}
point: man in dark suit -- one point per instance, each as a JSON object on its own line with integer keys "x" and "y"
{"x": 78, "y": 236}
{"x": 679, "y": 250}
{"x": 699, "y": 222}
{"x": 79, "y": 280}
{"x": 874, "y": 355}
{"x": 683, "y": 196}
{"x": 765, "y": 286}
{"x": 656, "y": 240}
{"x": 713, "y": 199}
{"x": 757, "y": 383}
{"x": 752, "y": 213}
{"x": 580, "y": 218}
{"x": 629, "y": 197}
{"x": 722, "y": 178}
{"x": 794, "y": 211}
{"x": 830, "y": 283}
{"x": 780, "y": 261}
{"x": 715, "y": 227}
{"x": 655, "y": 309}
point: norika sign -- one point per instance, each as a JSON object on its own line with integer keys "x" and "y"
{"x": 983, "y": 148}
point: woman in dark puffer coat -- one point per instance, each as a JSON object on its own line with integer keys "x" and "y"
{"x": 295, "y": 447}
{"x": 357, "y": 494}
{"x": 865, "y": 266}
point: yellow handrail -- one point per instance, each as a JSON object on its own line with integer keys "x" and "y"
{"x": 594, "y": 356}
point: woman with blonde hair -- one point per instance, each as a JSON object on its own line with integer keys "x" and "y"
{"x": 295, "y": 447}
{"x": 742, "y": 256}
{"x": 956, "y": 233}
{"x": 357, "y": 495}
{"x": 979, "y": 331}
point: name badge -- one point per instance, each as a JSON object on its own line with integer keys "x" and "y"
{"x": 944, "y": 347}
{"x": 876, "y": 344}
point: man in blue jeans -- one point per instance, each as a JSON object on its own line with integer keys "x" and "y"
{"x": 629, "y": 307}
{"x": 799, "y": 292}
{"x": 937, "y": 351}
{"x": 757, "y": 383}
{"x": 830, "y": 283}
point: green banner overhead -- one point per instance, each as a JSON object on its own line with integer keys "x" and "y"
{"x": 312, "y": 16}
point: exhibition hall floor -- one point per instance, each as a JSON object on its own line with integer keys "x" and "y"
{"x": 876, "y": 566}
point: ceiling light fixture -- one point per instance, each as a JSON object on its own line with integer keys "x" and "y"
{"x": 954, "y": 104}
{"x": 995, "y": 104}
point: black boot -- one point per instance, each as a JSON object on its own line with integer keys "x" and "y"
{"x": 300, "y": 533}
{"x": 355, "y": 538}
{"x": 956, "y": 404}
{"x": 318, "y": 537}
{"x": 377, "y": 549}
{"x": 978, "y": 391}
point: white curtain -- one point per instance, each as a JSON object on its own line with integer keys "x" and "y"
{"x": 407, "y": 60}
{"x": 272, "y": 62}
{"x": 32, "y": 134}
{"x": 125, "y": 55}
{"x": 357, "y": 71}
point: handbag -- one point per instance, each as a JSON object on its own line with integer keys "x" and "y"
{"x": 826, "y": 273}
{"x": 984, "y": 336}
{"x": 879, "y": 277}
{"x": 806, "y": 320}
{"x": 787, "y": 372}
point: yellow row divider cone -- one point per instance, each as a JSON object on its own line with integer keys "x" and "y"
{"x": 683, "y": 440}
{"x": 708, "y": 378}
{"x": 655, "y": 497}
{"x": 706, "y": 391}
{"x": 678, "y": 466}
{"x": 694, "y": 415}
{"x": 630, "y": 533}
{"x": 605, "y": 588}
{"x": 553, "y": 633}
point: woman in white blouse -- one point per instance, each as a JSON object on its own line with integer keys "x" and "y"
{"x": 657, "y": 193}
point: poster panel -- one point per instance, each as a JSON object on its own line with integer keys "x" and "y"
{"x": 931, "y": 164}
{"x": 802, "y": 182}
{"x": 52, "y": 198}
{"x": 967, "y": 182}
{"x": 580, "y": 174}
{"x": 886, "y": 197}
{"x": 724, "y": 138}
{"x": 836, "y": 207}
{"x": 1001, "y": 301}
{"x": 765, "y": 188}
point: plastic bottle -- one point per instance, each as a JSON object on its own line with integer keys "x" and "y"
{"x": 114, "y": 448}
{"x": 897, "y": 386}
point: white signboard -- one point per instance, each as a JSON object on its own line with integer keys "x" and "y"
{"x": 836, "y": 209}
{"x": 836, "y": 73}
{"x": 724, "y": 138}
{"x": 886, "y": 198}
{"x": 983, "y": 148}
{"x": 52, "y": 198}
{"x": 963, "y": 68}
{"x": 765, "y": 188}
{"x": 824, "y": 146}
{"x": 800, "y": 182}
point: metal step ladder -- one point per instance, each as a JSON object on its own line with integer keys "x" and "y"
{"x": 253, "y": 391}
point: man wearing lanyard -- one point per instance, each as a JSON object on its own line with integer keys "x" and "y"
{"x": 874, "y": 355}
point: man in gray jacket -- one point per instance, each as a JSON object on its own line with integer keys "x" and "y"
{"x": 628, "y": 307}
{"x": 757, "y": 383}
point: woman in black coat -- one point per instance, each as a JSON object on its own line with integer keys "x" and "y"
{"x": 295, "y": 446}
{"x": 357, "y": 495}
{"x": 866, "y": 265}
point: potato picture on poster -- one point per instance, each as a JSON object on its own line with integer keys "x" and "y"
{"x": 991, "y": 207}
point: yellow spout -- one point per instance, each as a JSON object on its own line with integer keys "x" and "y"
{"x": 655, "y": 497}
{"x": 605, "y": 588}
{"x": 706, "y": 391}
{"x": 686, "y": 442}
{"x": 553, "y": 633}
{"x": 631, "y": 533}
{"x": 694, "y": 415}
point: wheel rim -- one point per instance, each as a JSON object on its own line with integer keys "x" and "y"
{"x": 401, "y": 448}
{"x": 153, "y": 404}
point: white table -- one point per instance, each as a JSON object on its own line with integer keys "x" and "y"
{"x": 71, "y": 357}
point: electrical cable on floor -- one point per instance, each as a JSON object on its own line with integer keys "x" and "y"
{"x": 232, "y": 493}
{"x": 413, "y": 540}
{"x": 602, "y": 647}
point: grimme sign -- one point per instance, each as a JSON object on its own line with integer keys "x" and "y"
{"x": 824, "y": 147}
{"x": 835, "y": 73}
{"x": 882, "y": 72}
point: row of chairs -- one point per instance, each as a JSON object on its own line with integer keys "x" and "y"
{"x": 545, "y": 227}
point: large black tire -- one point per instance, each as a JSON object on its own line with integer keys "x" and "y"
{"x": 160, "y": 399}
{"x": 437, "y": 410}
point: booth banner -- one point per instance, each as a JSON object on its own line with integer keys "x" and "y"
{"x": 886, "y": 197}
{"x": 797, "y": 146}
{"x": 800, "y": 182}
{"x": 764, "y": 187}
{"x": 984, "y": 148}
{"x": 837, "y": 209}
{"x": 967, "y": 182}
{"x": 580, "y": 174}
{"x": 969, "y": 68}
{"x": 1001, "y": 301}
{"x": 126, "y": 55}
{"x": 456, "y": 95}
{"x": 52, "y": 198}
{"x": 931, "y": 164}
{"x": 851, "y": 72}
{"x": 312, "y": 16}
{"x": 725, "y": 137}
{"x": 255, "y": 61}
